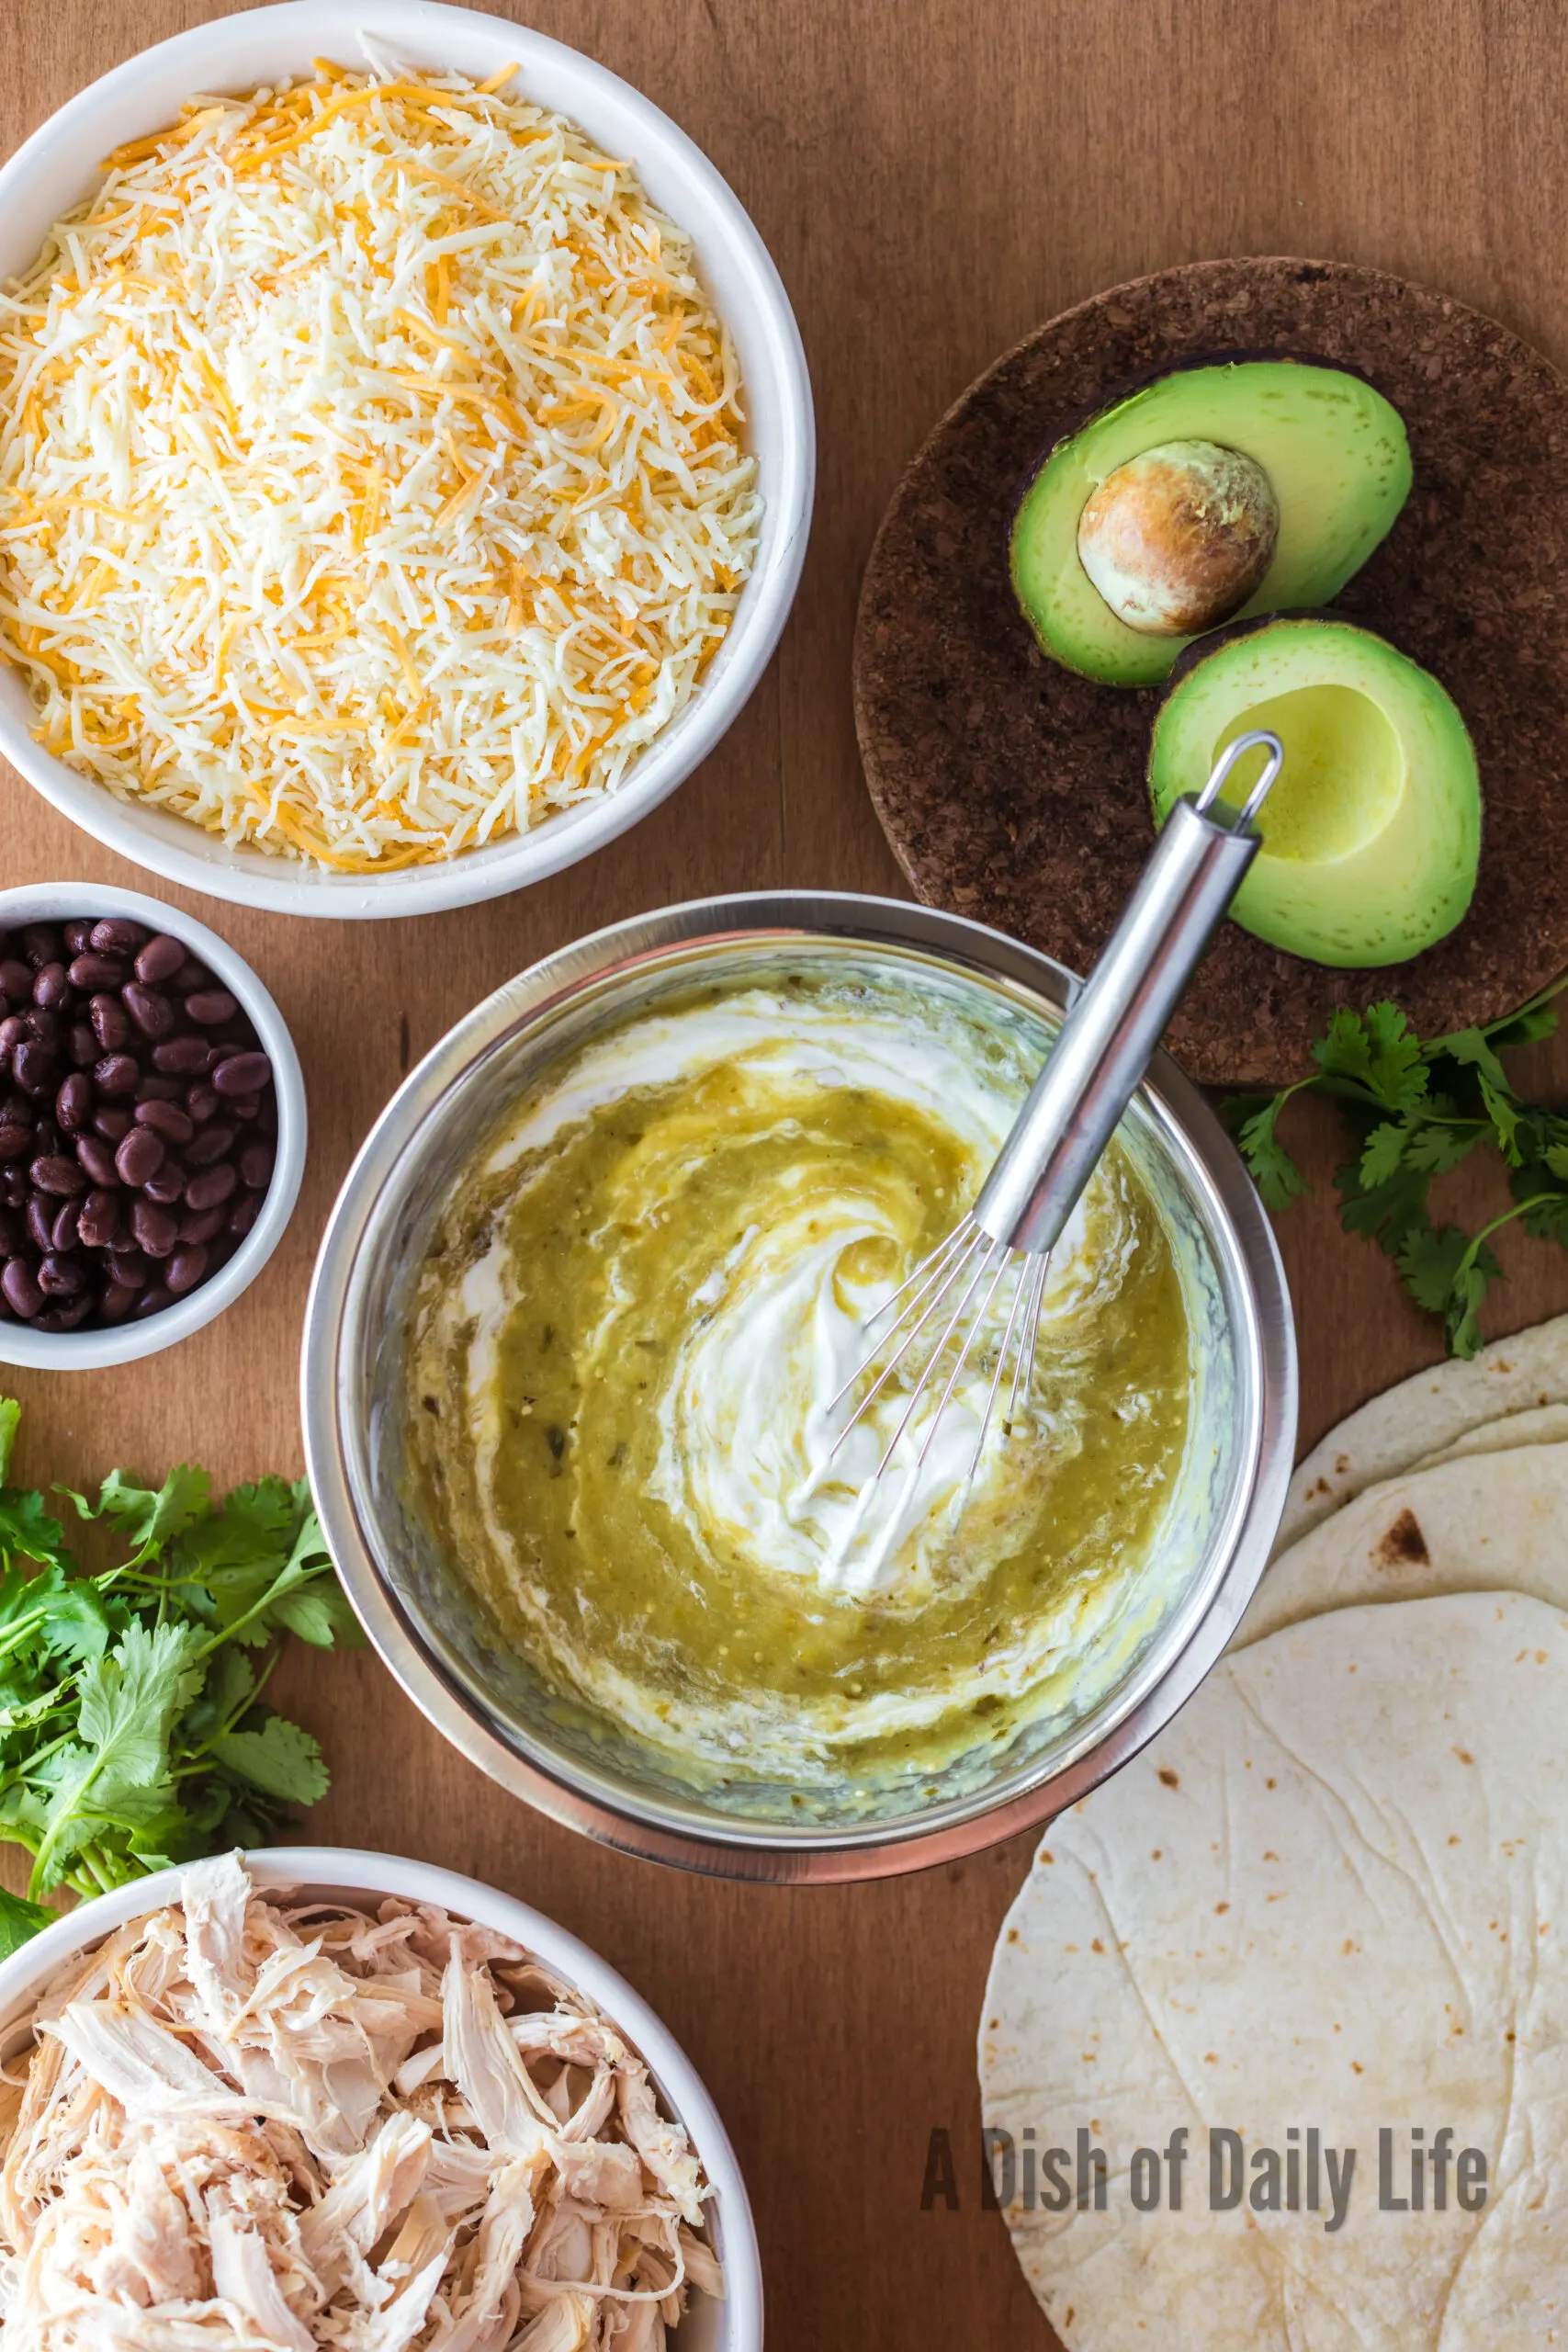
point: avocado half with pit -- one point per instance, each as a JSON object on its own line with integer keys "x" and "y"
{"x": 1371, "y": 833}
{"x": 1237, "y": 485}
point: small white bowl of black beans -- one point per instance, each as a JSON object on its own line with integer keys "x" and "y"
{"x": 151, "y": 1125}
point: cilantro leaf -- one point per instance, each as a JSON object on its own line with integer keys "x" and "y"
{"x": 1416, "y": 1110}
{"x": 19, "y": 1920}
{"x": 151, "y": 1517}
{"x": 1272, "y": 1170}
{"x": 1377, "y": 1050}
{"x": 131, "y": 1734}
{"x": 1385, "y": 1148}
{"x": 281, "y": 1759}
{"x": 26, "y": 1530}
{"x": 62, "y": 1615}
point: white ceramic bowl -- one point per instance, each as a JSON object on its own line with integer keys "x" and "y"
{"x": 59, "y": 166}
{"x": 333, "y": 1873}
{"x": 126, "y": 1342}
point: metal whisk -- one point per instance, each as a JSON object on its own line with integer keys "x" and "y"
{"x": 985, "y": 1285}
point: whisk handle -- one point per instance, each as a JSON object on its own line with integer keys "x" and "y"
{"x": 1119, "y": 1016}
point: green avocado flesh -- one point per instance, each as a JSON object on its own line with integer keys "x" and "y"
{"x": 1372, "y": 831}
{"x": 1332, "y": 447}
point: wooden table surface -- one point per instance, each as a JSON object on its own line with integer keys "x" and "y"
{"x": 934, "y": 177}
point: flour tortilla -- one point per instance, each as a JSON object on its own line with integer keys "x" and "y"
{"x": 1477, "y": 1523}
{"x": 1424, "y": 1415}
{"x": 1333, "y": 1892}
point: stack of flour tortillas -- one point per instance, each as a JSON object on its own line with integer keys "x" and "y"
{"x": 1328, "y": 1903}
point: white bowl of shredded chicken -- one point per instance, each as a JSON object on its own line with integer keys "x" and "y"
{"x": 406, "y": 458}
{"x": 321, "y": 2098}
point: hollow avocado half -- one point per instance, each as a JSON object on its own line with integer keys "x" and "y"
{"x": 1333, "y": 449}
{"x": 1371, "y": 833}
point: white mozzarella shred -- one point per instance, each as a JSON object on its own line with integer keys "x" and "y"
{"x": 372, "y": 477}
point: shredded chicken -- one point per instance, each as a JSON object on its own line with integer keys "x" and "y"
{"x": 245, "y": 2126}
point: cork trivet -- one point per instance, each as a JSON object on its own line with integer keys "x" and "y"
{"x": 1013, "y": 791}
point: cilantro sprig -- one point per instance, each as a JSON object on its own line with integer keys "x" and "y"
{"x": 1413, "y": 1112}
{"x": 133, "y": 1729}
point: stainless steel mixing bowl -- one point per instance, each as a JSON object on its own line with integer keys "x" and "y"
{"x": 1214, "y": 1542}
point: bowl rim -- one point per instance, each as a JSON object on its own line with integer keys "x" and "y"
{"x": 359, "y": 1870}
{"x": 130, "y": 1342}
{"x": 279, "y": 885}
{"x": 655, "y": 1830}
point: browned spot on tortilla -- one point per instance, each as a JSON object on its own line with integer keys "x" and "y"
{"x": 1403, "y": 1542}
{"x": 1341, "y": 1464}
{"x": 1170, "y": 1779}
{"x": 1465, "y": 1757}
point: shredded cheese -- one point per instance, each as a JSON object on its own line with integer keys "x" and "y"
{"x": 371, "y": 473}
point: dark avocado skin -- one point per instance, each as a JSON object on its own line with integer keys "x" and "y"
{"x": 1193, "y": 656}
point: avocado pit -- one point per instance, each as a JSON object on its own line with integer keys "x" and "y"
{"x": 1177, "y": 540}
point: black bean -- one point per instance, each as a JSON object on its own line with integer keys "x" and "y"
{"x": 159, "y": 960}
{"x": 64, "y": 1314}
{"x": 116, "y": 1074}
{"x": 97, "y": 1160}
{"x": 156, "y": 1230}
{"x": 98, "y": 1219}
{"x": 129, "y": 1080}
{"x": 168, "y": 1185}
{"x": 34, "y": 1067}
{"x": 243, "y": 1213}
{"x": 242, "y": 1074}
{"x": 255, "y": 1164}
{"x": 153, "y": 1014}
{"x": 185, "y": 1057}
{"x": 140, "y": 1155}
{"x": 73, "y": 1103}
{"x": 19, "y": 1283}
{"x": 40, "y": 943}
{"x": 210, "y": 1144}
{"x": 89, "y": 972}
{"x": 209, "y": 1186}
{"x": 164, "y": 1117}
{"x": 185, "y": 1268}
{"x": 62, "y": 1277}
{"x": 210, "y": 1007}
{"x": 116, "y": 936}
{"x": 53, "y": 1172}
{"x": 112, "y": 1024}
